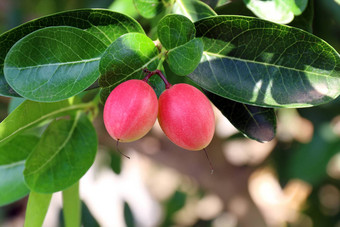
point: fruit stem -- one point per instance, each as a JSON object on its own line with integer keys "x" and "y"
{"x": 159, "y": 73}
{"x": 120, "y": 151}
{"x": 211, "y": 166}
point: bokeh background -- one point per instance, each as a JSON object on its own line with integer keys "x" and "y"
{"x": 293, "y": 180}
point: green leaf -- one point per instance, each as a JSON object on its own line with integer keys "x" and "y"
{"x": 305, "y": 20}
{"x": 125, "y": 59}
{"x": 63, "y": 155}
{"x": 128, "y": 216}
{"x": 279, "y": 11}
{"x": 308, "y": 162}
{"x": 175, "y": 30}
{"x": 30, "y": 113}
{"x": 36, "y": 210}
{"x": 184, "y": 59}
{"x": 149, "y": 8}
{"x": 72, "y": 206}
{"x": 18, "y": 149}
{"x": 116, "y": 162}
{"x": 125, "y": 7}
{"x": 193, "y": 9}
{"x": 255, "y": 122}
{"x": 222, "y": 2}
{"x": 234, "y": 8}
{"x": 14, "y": 103}
{"x": 172, "y": 205}
{"x": 12, "y": 184}
{"x": 257, "y": 62}
{"x": 176, "y": 34}
{"x": 104, "y": 24}
{"x": 53, "y": 63}
{"x": 12, "y": 163}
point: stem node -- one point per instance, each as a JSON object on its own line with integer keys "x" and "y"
{"x": 156, "y": 72}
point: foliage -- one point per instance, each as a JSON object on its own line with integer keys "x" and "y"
{"x": 246, "y": 66}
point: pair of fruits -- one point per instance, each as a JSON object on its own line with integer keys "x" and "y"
{"x": 184, "y": 113}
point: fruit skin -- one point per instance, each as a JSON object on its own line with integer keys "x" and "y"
{"x": 186, "y": 116}
{"x": 130, "y": 111}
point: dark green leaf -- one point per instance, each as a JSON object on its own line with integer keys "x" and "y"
{"x": 104, "y": 24}
{"x": 87, "y": 218}
{"x": 125, "y": 59}
{"x": 63, "y": 155}
{"x": 53, "y": 63}
{"x": 174, "y": 204}
{"x": 149, "y": 8}
{"x": 255, "y": 122}
{"x": 184, "y": 59}
{"x": 128, "y": 216}
{"x": 175, "y": 30}
{"x": 261, "y": 63}
{"x": 234, "y": 8}
{"x": 279, "y": 11}
{"x": 193, "y": 9}
{"x": 116, "y": 162}
{"x": 30, "y": 113}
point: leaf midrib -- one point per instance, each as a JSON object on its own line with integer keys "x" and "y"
{"x": 12, "y": 164}
{"x": 267, "y": 64}
{"x": 72, "y": 107}
{"x": 56, "y": 64}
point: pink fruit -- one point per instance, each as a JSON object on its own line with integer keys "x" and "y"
{"x": 130, "y": 110}
{"x": 186, "y": 117}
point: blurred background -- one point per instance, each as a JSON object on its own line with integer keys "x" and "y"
{"x": 293, "y": 180}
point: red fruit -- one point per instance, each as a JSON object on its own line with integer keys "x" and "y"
{"x": 130, "y": 110}
{"x": 186, "y": 117}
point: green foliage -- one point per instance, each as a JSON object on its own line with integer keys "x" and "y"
{"x": 104, "y": 24}
{"x": 63, "y": 155}
{"x": 53, "y": 63}
{"x": 280, "y": 11}
{"x": 255, "y": 122}
{"x": 193, "y": 9}
{"x": 12, "y": 183}
{"x": 149, "y": 9}
{"x": 125, "y": 59}
{"x": 176, "y": 34}
{"x": 35, "y": 113}
{"x": 174, "y": 204}
{"x": 261, "y": 63}
{"x": 175, "y": 30}
{"x": 116, "y": 162}
{"x": 128, "y": 216}
{"x": 184, "y": 59}
{"x": 309, "y": 161}
{"x": 12, "y": 163}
